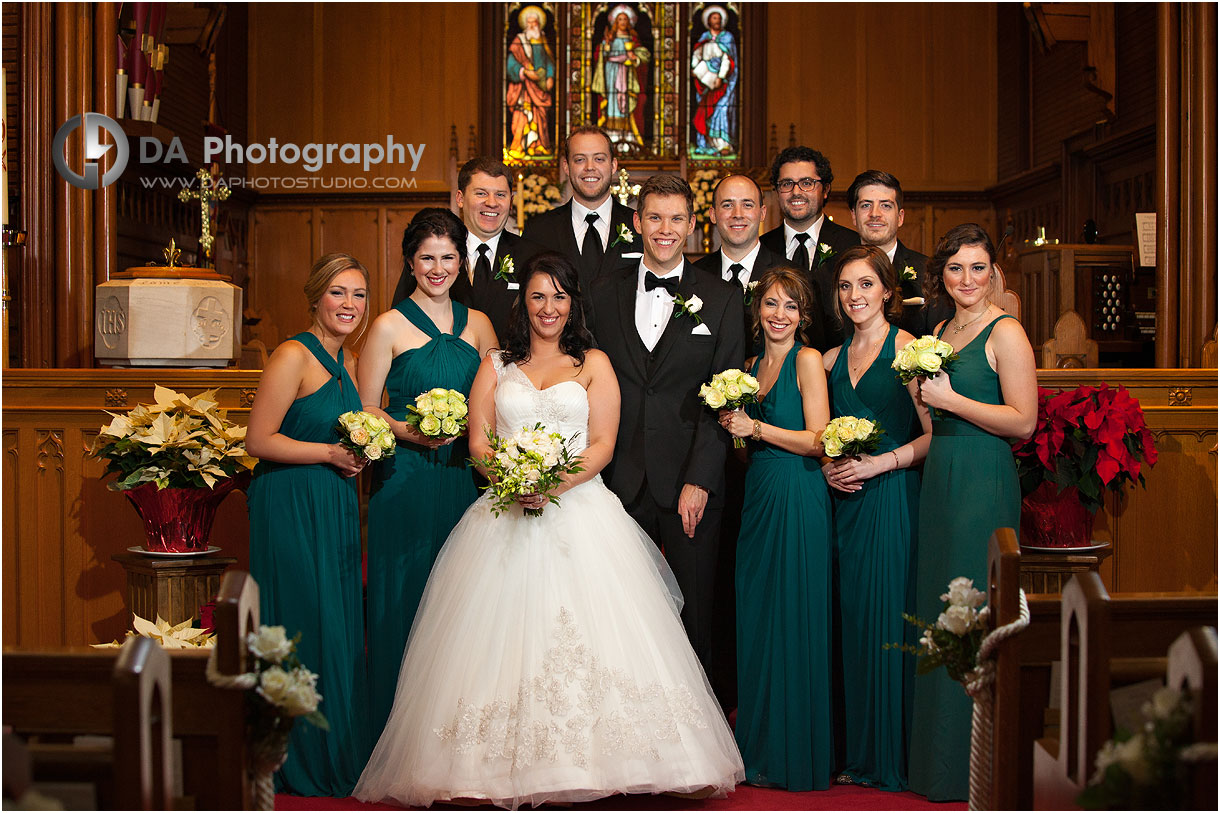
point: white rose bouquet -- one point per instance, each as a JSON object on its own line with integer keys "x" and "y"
{"x": 954, "y": 640}
{"x": 925, "y": 356}
{"x": 851, "y": 437}
{"x": 530, "y": 461}
{"x": 439, "y": 413}
{"x": 731, "y": 389}
{"x": 366, "y": 434}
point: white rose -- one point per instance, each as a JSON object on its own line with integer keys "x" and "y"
{"x": 1130, "y": 755}
{"x": 864, "y": 428}
{"x": 715, "y": 398}
{"x": 733, "y": 391}
{"x": 385, "y": 440}
{"x": 440, "y": 407}
{"x": 301, "y": 697}
{"x": 929, "y": 361}
{"x": 273, "y": 683}
{"x": 729, "y": 375}
{"x": 269, "y": 643}
{"x": 905, "y": 360}
{"x": 963, "y": 594}
{"x": 943, "y": 348}
{"x": 359, "y": 436}
{"x": 957, "y": 620}
{"x": 429, "y": 425}
{"x": 373, "y": 451}
{"x": 748, "y": 384}
{"x": 457, "y": 409}
{"x": 694, "y": 304}
{"x": 449, "y": 426}
{"x": 832, "y": 446}
{"x": 1163, "y": 703}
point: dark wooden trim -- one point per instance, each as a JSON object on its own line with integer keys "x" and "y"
{"x": 37, "y": 269}
{"x": 1199, "y": 201}
{"x": 753, "y": 90}
{"x": 1168, "y": 164}
{"x": 106, "y": 208}
{"x": 1041, "y": 175}
{"x": 491, "y": 24}
{"x": 437, "y": 198}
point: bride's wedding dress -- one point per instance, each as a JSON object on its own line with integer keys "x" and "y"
{"x": 547, "y": 661}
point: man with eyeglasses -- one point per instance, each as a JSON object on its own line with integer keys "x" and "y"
{"x": 802, "y": 177}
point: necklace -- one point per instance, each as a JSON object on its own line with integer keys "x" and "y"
{"x": 869, "y": 353}
{"x": 959, "y": 328}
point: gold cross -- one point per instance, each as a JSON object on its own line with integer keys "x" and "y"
{"x": 208, "y": 191}
{"x": 624, "y": 189}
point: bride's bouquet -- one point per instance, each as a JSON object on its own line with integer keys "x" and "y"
{"x": 438, "y": 413}
{"x": 530, "y": 461}
{"x": 366, "y": 434}
{"x": 731, "y": 389}
{"x": 851, "y": 437}
{"x": 926, "y": 356}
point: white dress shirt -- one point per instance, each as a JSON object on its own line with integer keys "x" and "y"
{"x": 602, "y": 224}
{"x": 743, "y": 276}
{"x": 472, "y": 253}
{"x": 653, "y": 309}
{"x": 811, "y": 245}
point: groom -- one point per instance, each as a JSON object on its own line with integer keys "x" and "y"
{"x": 667, "y": 328}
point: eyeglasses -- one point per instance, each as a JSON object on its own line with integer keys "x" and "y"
{"x": 806, "y": 184}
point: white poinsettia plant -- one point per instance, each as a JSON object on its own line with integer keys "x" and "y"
{"x": 176, "y": 442}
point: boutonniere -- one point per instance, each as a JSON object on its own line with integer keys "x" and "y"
{"x": 825, "y": 252}
{"x": 688, "y": 307}
{"x": 748, "y": 292}
{"x": 908, "y": 273}
{"x": 622, "y": 235}
{"x": 508, "y": 271}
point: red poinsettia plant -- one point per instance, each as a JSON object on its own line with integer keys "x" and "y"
{"x": 1090, "y": 438}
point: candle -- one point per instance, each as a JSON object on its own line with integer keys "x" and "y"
{"x": 520, "y": 202}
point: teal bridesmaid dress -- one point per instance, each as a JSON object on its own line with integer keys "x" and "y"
{"x": 418, "y": 495}
{"x": 305, "y": 555}
{"x": 784, "y": 607}
{"x": 874, "y": 539}
{"x": 970, "y": 488}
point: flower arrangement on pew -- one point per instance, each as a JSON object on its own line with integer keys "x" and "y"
{"x": 954, "y": 640}
{"x": 1086, "y": 441}
{"x": 1149, "y": 769}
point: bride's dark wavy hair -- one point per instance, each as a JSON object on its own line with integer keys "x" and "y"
{"x": 576, "y": 338}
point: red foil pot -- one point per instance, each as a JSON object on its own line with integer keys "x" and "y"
{"x": 1056, "y": 520}
{"x": 178, "y": 520}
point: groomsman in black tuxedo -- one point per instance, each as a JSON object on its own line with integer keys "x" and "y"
{"x": 494, "y": 255}
{"x": 592, "y": 229}
{"x": 802, "y": 177}
{"x": 875, "y": 198}
{"x": 667, "y": 329}
{"x": 737, "y": 213}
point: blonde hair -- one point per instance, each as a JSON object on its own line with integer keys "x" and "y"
{"x": 323, "y": 273}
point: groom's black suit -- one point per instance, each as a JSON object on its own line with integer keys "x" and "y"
{"x": 666, "y": 436}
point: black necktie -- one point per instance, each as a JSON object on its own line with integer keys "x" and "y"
{"x": 482, "y": 267}
{"x": 591, "y": 248}
{"x": 670, "y": 284}
{"x": 801, "y": 257}
{"x": 735, "y": 272}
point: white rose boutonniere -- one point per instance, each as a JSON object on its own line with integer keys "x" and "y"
{"x": 622, "y": 235}
{"x": 688, "y": 307}
{"x": 825, "y": 252}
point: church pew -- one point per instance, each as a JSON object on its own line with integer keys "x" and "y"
{"x": 1192, "y": 665}
{"x": 91, "y": 692}
{"x": 210, "y": 722}
{"x": 1143, "y": 625}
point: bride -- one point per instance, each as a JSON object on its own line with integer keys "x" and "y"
{"x": 548, "y": 662}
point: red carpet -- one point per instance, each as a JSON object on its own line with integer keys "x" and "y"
{"x": 843, "y": 797}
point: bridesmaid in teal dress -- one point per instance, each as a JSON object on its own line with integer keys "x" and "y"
{"x": 305, "y": 525}
{"x": 783, "y": 553}
{"x": 970, "y": 483}
{"x": 420, "y": 493}
{"x": 875, "y": 518}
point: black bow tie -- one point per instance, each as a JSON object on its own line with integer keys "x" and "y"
{"x": 670, "y": 284}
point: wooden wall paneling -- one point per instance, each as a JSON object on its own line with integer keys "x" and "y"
{"x": 1199, "y": 194}
{"x": 282, "y": 87}
{"x": 1168, "y": 167}
{"x": 396, "y": 221}
{"x": 356, "y": 231}
{"x": 962, "y": 84}
{"x": 895, "y": 86}
{"x": 37, "y": 269}
{"x": 12, "y": 499}
{"x": 106, "y": 210}
{"x": 283, "y": 251}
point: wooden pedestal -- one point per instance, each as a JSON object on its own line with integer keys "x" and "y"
{"x": 1048, "y": 572}
{"x": 174, "y": 589}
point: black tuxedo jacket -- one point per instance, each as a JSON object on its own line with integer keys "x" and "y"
{"x": 665, "y": 433}
{"x": 553, "y": 231}
{"x": 494, "y": 300}
{"x": 822, "y": 275}
{"x": 765, "y": 261}
{"x": 918, "y": 320}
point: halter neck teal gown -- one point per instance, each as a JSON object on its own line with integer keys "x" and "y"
{"x": 418, "y": 495}
{"x": 874, "y": 539}
{"x": 970, "y": 488}
{"x": 783, "y": 606}
{"x": 305, "y": 555}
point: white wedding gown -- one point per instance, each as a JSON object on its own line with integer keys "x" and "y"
{"x": 547, "y": 661}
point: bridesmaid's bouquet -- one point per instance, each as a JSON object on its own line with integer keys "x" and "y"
{"x": 366, "y": 434}
{"x": 438, "y": 413}
{"x": 925, "y": 356}
{"x": 530, "y": 461}
{"x": 731, "y": 389}
{"x": 851, "y": 437}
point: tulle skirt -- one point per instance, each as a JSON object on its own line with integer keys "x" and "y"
{"x": 548, "y": 662}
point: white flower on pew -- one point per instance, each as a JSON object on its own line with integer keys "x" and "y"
{"x": 269, "y": 643}
{"x": 962, "y": 593}
{"x": 169, "y": 636}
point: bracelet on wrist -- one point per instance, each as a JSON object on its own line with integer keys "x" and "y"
{"x": 757, "y": 433}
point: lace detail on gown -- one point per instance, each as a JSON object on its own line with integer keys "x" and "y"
{"x": 562, "y": 407}
{"x": 574, "y": 686}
